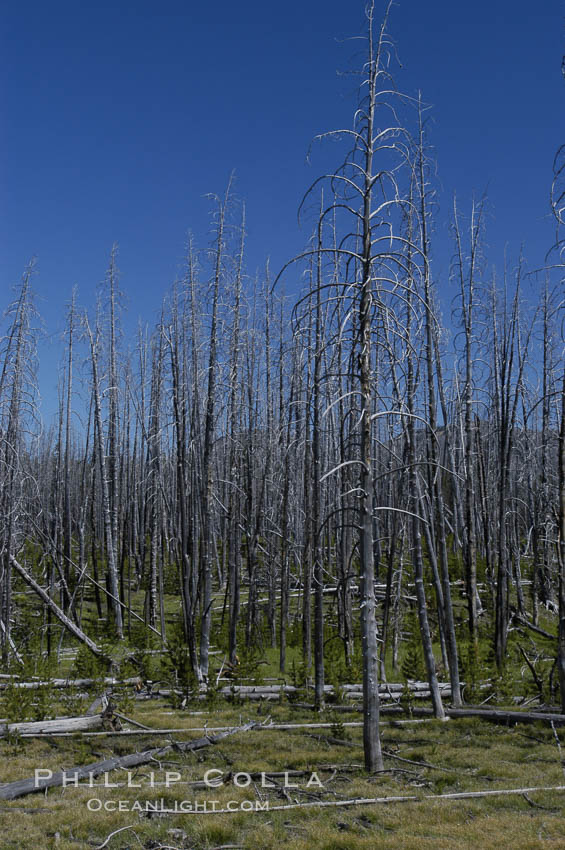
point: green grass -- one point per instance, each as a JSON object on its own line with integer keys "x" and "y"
{"x": 467, "y": 755}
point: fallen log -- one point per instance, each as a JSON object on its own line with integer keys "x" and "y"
{"x": 125, "y": 733}
{"x": 522, "y": 620}
{"x": 23, "y": 787}
{"x": 372, "y": 801}
{"x": 271, "y": 694}
{"x": 70, "y": 683}
{"x": 69, "y": 725}
{"x": 416, "y": 687}
{"x": 497, "y": 715}
{"x": 395, "y": 695}
{"x": 68, "y": 624}
{"x": 353, "y": 691}
{"x": 310, "y": 706}
{"x": 507, "y": 716}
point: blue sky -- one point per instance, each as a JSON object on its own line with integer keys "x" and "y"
{"x": 117, "y": 118}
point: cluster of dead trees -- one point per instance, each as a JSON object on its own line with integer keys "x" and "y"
{"x": 254, "y": 449}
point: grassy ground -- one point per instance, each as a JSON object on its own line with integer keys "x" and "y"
{"x": 422, "y": 758}
{"x": 461, "y": 755}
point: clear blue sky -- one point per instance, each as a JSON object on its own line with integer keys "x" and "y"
{"x": 117, "y": 118}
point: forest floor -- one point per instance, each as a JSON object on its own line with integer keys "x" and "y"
{"x": 324, "y": 803}
{"x": 421, "y": 758}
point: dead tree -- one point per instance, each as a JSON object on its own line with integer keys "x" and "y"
{"x": 209, "y": 423}
{"x": 435, "y": 476}
{"x": 109, "y": 524}
{"x": 558, "y": 206}
{"x": 467, "y": 271}
{"x": 16, "y": 410}
{"x": 366, "y": 192}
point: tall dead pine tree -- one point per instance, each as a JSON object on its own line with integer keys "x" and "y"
{"x": 109, "y": 526}
{"x": 365, "y": 209}
{"x": 209, "y": 420}
{"x": 558, "y": 205}
{"x": 15, "y": 398}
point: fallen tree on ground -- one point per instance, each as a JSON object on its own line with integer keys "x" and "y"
{"x": 497, "y": 715}
{"x": 371, "y": 801}
{"x": 33, "y": 785}
{"x": 85, "y": 723}
{"x": 61, "y": 616}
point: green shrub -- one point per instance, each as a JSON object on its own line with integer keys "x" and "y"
{"x": 177, "y": 669}
{"x": 413, "y": 664}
